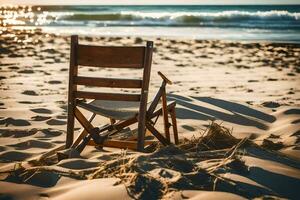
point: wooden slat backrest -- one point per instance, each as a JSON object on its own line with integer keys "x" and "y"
{"x": 114, "y": 57}
{"x": 108, "y": 82}
{"x": 107, "y": 56}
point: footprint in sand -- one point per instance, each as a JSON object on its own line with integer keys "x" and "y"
{"x": 46, "y": 73}
{"x": 51, "y": 51}
{"x": 15, "y": 122}
{"x": 14, "y": 67}
{"x": 296, "y": 121}
{"x": 9, "y": 156}
{"x": 64, "y": 107}
{"x": 17, "y": 133}
{"x": 46, "y": 133}
{"x": 49, "y": 62}
{"x": 28, "y": 102}
{"x": 41, "y": 110}
{"x": 297, "y": 133}
{"x": 57, "y": 60}
{"x": 270, "y": 104}
{"x": 26, "y": 71}
{"x": 32, "y": 144}
{"x": 56, "y": 122}
{"x": 293, "y": 111}
{"x": 30, "y": 92}
{"x": 272, "y": 79}
{"x": 252, "y": 81}
{"x": 43, "y": 179}
{"x": 77, "y": 164}
{"x": 291, "y": 74}
{"x": 138, "y": 40}
{"x": 62, "y": 117}
{"x": 40, "y": 118}
{"x": 54, "y": 82}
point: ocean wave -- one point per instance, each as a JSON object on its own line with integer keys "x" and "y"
{"x": 258, "y": 19}
{"x": 102, "y": 17}
{"x": 160, "y": 17}
{"x": 189, "y": 16}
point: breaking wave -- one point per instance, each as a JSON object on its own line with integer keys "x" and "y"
{"x": 273, "y": 19}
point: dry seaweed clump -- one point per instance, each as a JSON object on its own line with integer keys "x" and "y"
{"x": 174, "y": 168}
{"x": 213, "y": 138}
{"x": 168, "y": 169}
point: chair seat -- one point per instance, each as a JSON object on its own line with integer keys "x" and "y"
{"x": 119, "y": 110}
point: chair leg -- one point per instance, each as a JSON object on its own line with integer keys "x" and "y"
{"x": 83, "y": 143}
{"x": 83, "y": 121}
{"x": 70, "y": 125}
{"x": 141, "y": 138}
{"x": 165, "y": 115}
{"x": 83, "y": 132}
{"x": 94, "y": 132}
{"x": 155, "y": 132}
{"x": 141, "y": 127}
{"x": 174, "y": 124}
{"x": 72, "y": 87}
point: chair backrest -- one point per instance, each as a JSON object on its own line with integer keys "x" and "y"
{"x": 109, "y": 57}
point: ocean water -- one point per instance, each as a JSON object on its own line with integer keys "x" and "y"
{"x": 255, "y": 22}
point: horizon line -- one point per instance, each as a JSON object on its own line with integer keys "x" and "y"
{"x": 262, "y": 4}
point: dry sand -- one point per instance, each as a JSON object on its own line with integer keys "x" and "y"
{"x": 252, "y": 88}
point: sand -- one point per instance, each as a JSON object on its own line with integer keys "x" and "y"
{"x": 251, "y": 88}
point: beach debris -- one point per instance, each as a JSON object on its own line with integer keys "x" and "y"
{"x": 213, "y": 138}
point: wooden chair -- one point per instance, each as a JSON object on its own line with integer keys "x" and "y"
{"x": 123, "y": 109}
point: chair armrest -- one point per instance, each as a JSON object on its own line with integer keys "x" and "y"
{"x": 160, "y": 92}
{"x": 164, "y": 78}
